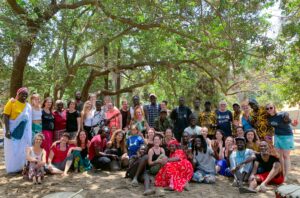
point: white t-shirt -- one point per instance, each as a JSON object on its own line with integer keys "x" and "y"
{"x": 193, "y": 131}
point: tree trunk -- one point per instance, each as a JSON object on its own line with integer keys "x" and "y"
{"x": 16, "y": 79}
{"x": 87, "y": 85}
{"x": 118, "y": 80}
{"x": 106, "y": 66}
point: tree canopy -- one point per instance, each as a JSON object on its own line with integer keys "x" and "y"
{"x": 206, "y": 49}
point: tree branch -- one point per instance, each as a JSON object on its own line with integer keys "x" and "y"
{"x": 76, "y": 5}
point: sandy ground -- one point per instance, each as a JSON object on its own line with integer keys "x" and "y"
{"x": 105, "y": 184}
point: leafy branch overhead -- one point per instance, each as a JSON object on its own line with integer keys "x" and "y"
{"x": 217, "y": 47}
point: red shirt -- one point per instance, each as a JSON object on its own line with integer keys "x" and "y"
{"x": 60, "y": 120}
{"x": 59, "y": 155}
{"x": 96, "y": 142}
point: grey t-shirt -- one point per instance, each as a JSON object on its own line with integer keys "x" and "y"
{"x": 206, "y": 161}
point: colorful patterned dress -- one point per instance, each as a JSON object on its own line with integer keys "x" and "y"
{"x": 207, "y": 119}
{"x": 175, "y": 174}
{"x": 260, "y": 122}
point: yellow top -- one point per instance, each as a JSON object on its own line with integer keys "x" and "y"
{"x": 14, "y": 109}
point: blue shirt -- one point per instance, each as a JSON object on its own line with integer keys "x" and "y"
{"x": 134, "y": 143}
{"x": 238, "y": 157}
{"x": 224, "y": 120}
{"x": 246, "y": 124}
{"x": 281, "y": 127}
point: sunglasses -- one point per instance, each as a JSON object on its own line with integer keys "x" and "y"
{"x": 269, "y": 108}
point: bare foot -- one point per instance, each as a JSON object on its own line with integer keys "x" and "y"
{"x": 39, "y": 180}
{"x": 34, "y": 180}
{"x": 149, "y": 192}
{"x": 65, "y": 175}
{"x": 187, "y": 187}
{"x": 134, "y": 183}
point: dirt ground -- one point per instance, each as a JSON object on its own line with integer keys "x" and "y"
{"x": 106, "y": 184}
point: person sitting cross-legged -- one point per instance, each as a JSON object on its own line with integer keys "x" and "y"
{"x": 241, "y": 162}
{"x": 271, "y": 170}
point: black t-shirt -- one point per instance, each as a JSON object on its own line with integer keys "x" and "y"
{"x": 47, "y": 121}
{"x": 266, "y": 166}
{"x": 126, "y": 117}
{"x": 72, "y": 121}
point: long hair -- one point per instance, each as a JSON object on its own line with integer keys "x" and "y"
{"x": 249, "y": 131}
{"x": 222, "y": 133}
{"x": 114, "y": 140}
{"x": 44, "y": 102}
{"x": 35, "y": 95}
{"x": 85, "y": 110}
{"x": 135, "y": 110}
{"x": 272, "y": 105}
{"x": 203, "y": 144}
{"x": 78, "y": 139}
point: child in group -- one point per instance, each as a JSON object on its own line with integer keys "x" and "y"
{"x": 134, "y": 141}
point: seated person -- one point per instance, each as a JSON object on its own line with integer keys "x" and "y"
{"x": 203, "y": 161}
{"x": 155, "y": 156}
{"x": 36, "y": 158}
{"x": 176, "y": 172}
{"x": 58, "y": 155}
{"x": 137, "y": 170}
{"x": 241, "y": 162}
{"x": 186, "y": 142}
{"x": 240, "y": 131}
{"x": 222, "y": 164}
{"x": 78, "y": 155}
{"x": 272, "y": 171}
{"x": 193, "y": 130}
{"x": 134, "y": 141}
{"x": 97, "y": 155}
{"x": 117, "y": 146}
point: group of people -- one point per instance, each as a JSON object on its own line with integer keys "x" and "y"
{"x": 155, "y": 145}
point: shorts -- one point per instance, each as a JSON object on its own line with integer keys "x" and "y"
{"x": 279, "y": 179}
{"x": 284, "y": 142}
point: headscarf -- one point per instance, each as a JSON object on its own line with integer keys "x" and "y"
{"x": 21, "y": 90}
{"x": 174, "y": 142}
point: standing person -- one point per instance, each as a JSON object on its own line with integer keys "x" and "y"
{"x": 36, "y": 157}
{"x": 224, "y": 119}
{"x": 99, "y": 117}
{"x": 260, "y": 122}
{"x": 135, "y": 103}
{"x": 236, "y": 118}
{"x": 180, "y": 116}
{"x": 73, "y": 120}
{"x": 207, "y": 119}
{"x": 79, "y": 103}
{"x": 17, "y": 118}
{"x": 203, "y": 161}
{"x": 35, "y": 102}
{"x": 126, "y": 117}
{"x": 47, "y": 124}
{"x": 196, "y": 111}
{"x": 60, "y": 120}
{"x": 164, "y": 106}
{"x": 246, "y": 119}
{"x": 284, "y": 137}
{"x": 114, "y": 118}
{"x": 193, "y": 130}
{"x": 87, "y": 115}
{"x": 163, "y": 122}
{"x": 139, "y": 120}
{"x": 92, "y": 98}
{"x": 176, "y": 171}
{"x": 151, "y": 111}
